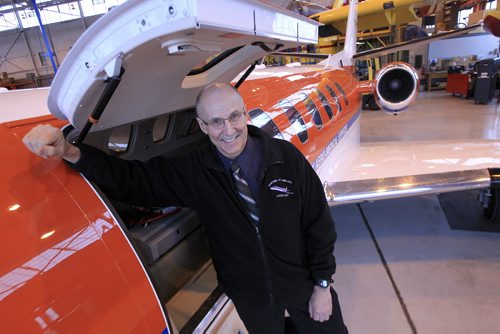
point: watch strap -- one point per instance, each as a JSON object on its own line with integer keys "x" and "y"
{"x": 323, "y": 283}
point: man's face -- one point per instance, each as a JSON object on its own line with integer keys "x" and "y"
{"x": 223, "y": 119}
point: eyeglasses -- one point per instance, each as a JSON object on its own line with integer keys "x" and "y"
{"x": 218, "y": 123}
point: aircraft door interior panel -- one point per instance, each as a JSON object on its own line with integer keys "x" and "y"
{"x": 159, "y": 237}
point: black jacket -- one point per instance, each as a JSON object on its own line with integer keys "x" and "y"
{"x": 297, "y": 233}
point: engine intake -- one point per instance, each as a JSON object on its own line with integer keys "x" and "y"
{"x": 396, "y": 87}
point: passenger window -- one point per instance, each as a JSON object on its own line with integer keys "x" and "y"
{"x": 334, "y": 97}
{"x": 311, "y": 108}
{"x": 262, "y": 120}
{"x": 317, "y": 119}
{"x": 120, "y": 139}
{"x": 342, "y": 93}
{"x": 324, "y": 102}
{"x": 296, "y": 120}
{"x": 160, "y": 128}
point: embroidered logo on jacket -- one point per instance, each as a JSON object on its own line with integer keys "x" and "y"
{"x": 281, "y": 187}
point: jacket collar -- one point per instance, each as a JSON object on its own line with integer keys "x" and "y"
{"x": 271, "y": 154}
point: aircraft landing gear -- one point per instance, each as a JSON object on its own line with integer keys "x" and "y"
{"x": 369, "y": 103}
{"x": 490, "y": 201}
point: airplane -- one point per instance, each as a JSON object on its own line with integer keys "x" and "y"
{"x": 77, "y": 260}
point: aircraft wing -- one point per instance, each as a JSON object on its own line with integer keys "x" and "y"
{"x": 413, "y": 43}
{"x": 358, "y": 171}
{"x": 408, "y": 45}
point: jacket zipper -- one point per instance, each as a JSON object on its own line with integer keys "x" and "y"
{"x": 267, "y": 272}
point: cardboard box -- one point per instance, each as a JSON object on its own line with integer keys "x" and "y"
{"x": 476, "y": 17}
{"x": 441, "y": 26}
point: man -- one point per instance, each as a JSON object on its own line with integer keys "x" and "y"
{"x": 266, "y": 218}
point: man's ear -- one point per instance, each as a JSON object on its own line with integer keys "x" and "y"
{"x": 202, "y": 125}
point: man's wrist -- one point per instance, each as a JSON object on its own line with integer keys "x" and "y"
{"x": 320, "y": 290}
{"x": 71, "y": 153}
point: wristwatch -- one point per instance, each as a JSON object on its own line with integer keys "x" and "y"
{"x": 323, "y": 283}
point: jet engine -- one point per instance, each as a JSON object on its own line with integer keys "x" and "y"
{"x": 396, "y": 86}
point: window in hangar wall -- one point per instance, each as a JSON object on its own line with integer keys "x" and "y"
{"x": 53, "y": 13}
{"x": 463, "y": 14}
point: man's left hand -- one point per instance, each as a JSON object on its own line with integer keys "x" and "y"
{"x": 320, "y": 304}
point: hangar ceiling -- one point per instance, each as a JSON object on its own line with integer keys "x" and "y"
{"x": 20, "y": 5}
{"x": 26, "y": 4}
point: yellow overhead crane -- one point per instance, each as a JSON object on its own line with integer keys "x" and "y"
{"x": 375, "y": 17}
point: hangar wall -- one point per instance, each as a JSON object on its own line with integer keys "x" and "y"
{"x": 15, "y": 57}
{"x": 482, "y": 45}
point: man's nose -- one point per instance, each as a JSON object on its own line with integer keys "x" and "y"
{"x": 228, "y": 127}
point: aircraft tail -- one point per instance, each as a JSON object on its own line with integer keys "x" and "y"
{"x": 345, "y": 57}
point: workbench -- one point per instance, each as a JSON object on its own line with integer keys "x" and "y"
{"x": 429, "y": 76}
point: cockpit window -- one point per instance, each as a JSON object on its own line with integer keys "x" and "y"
{"x": 212, "y": 61}
{"x": 296, "y": 120}
{"x": 262, "y": 120}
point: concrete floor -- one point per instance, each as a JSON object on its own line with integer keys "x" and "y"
{"x": 434, "y": 116}
{"x": 401, "y": 269}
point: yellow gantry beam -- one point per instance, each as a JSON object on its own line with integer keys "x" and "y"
{"x": 373, "y": 14}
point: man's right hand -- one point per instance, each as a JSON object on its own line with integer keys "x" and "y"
{"x": 48, "y": 141}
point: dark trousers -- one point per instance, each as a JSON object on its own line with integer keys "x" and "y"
{"x": 270, "y": 319}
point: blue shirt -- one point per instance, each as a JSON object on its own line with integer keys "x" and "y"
{"x": 249, "y": 161}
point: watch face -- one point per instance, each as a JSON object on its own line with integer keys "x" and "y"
{"x": 322, "y": 283}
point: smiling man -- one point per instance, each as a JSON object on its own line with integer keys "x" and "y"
{"x": 266, "y": 218}
{"x": 228, "y": 133}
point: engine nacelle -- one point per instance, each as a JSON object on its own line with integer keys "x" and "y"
{"x": 396, "y": 86}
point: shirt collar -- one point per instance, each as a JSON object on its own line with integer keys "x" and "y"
{"x": 271, "y": 154}
{"x": 248, "y": 152}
